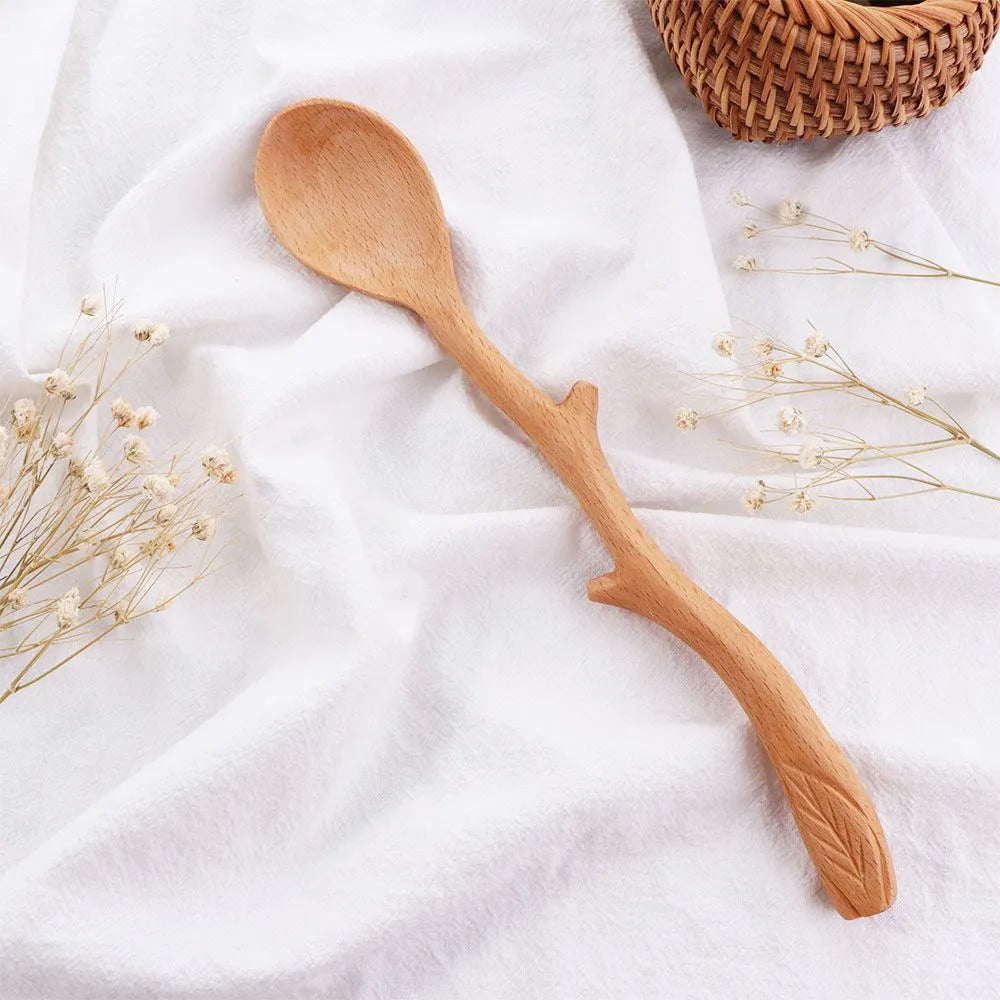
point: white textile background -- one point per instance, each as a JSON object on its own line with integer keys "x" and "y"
{"x": 392, "y": 751}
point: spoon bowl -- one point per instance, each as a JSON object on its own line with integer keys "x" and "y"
{"x": 351, "y": 198}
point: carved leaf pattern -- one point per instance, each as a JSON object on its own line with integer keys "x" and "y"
{"x": 839, "y": 834}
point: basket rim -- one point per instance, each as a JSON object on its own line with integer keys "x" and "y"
{"x": 853, "y": 22}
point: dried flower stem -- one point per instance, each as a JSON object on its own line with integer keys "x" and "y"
{"x": 835, "y": 464}
{"x": 819, "y": 229}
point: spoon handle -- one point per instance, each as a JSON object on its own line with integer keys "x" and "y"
{"x": 834, "y": 814}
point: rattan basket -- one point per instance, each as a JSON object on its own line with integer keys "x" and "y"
{"x": 785, "y": 69}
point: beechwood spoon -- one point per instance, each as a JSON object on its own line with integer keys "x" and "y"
{"x": 352, "y": 199}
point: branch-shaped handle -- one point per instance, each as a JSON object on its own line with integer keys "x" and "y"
{"x": 834, "y": 814}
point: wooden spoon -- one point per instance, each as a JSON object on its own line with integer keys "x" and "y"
{"x": 349, "y": 196}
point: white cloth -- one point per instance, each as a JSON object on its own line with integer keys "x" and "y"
{"x": 392, "y": 751}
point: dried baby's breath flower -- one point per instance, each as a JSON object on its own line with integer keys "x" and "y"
{"x": 858, "y": 239}
{"x": 61, "y": 445}
{"x": 121, "y": 410}
{"x": 119, "y": 558}
{"x": 218, "y": 465}
{"x": 790, "y": 420}
{"x": 916, "y": 395}
{"x": 89, "y": 541}
{"x": 68, "y": 609}
{"x": 59, "y": 384}
{"x": 761, "y": 346}
{"x": 135, "y": 450}
{"x": 739, "y": 198}
{"x": 17, "y": 598}
{"x": 150, "y": 332}
{"x": 157, "y": 544}
{"x": 24, "y": 419}
{"x": 771, "y": 369}
{"x": 724, "y": 344}
{"x": 816, "y": 346}
{"x": 145, "y": 416}
{"x": 801, "y": 502}
{"x": 158, "y": 487}
{"x": 745, "y": 263}
{"x": 94, "y": 475}
{"x": 203, "y": 527}
{"x": 811, "y": 454}
{"x": 750, "y": 230}
{"x": 791, "y": 211}
{"x": 167, "y": 514}
{"x": 755, "y": 497}
{"x": 89, "y": 304}
{"x": 686, "y": 419}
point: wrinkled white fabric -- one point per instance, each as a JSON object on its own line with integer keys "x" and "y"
{"x": 392, "y": 751}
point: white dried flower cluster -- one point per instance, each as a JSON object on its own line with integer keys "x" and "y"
{"x": 158, "y": 487}
{"x": 67, "y": 609}
{"x": 745, "y": 263}
{"x": 739, "y": 198}
{"x": 762, "y": 346}
{"x": 144, "y": 416}
{"x": 203, "y": 527}
{"x": 724, "y": 344}
{"x": 167, "y": 514}
{"x": 858, "y": 239}
{"x": 24, "y": 419}
{"x": 122, "y": 412}
{"x": 750, "y": 230}
{"x": 218, "y": 465}
{"x": 790, "y": 420}
{"x": 158, "y": 544}
{"x": 120, "y": 558}
{"x": 801, "y": 502}
{"x": 136, "y": 450}
{"x": 59, "y": 384}
{"x": 771, "y": 370}
{"x": 811, "y": 455}
{"x": 791, "y": 211}
{"x": 94, "y": 475}
{"x": 89, "y": 304}
{"x": 17, "y": 598}
{"x": 61, "y": 445}
{"x": 916, "y": 395}
{"x": 755, "y": 497}
{"x": 816, "y": 346}
{"x": 147, "y": 331}
{"x": 686, "y": 419}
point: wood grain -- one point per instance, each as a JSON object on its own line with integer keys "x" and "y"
{"x": 349, "y": 196}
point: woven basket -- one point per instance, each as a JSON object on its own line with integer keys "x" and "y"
{"x": 785, "y": 69}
